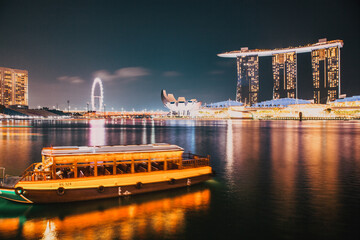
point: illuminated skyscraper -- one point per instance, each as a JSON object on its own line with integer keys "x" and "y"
{"x": 284, "y": 73}
{"x": 13, "y": 87}
{"x": 326, "y": 74}
{"x": 247, "y": 90}
{"x": 325, "y": 65}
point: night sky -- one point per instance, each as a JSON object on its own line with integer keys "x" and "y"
{"x": 141, "y": 47}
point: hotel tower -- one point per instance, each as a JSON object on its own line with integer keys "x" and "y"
{"x": 247, "y": 90}
{"x": 13, "y": 87}
{"x": 325, "y": 59}
{"x": 326, "y": 77}
{"x": 284, "y": 75}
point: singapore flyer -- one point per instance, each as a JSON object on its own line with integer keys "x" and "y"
{"x": 94, "y": 97}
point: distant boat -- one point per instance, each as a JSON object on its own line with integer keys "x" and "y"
{"x": 69, "y": 174}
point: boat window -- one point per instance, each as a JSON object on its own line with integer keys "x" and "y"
{"x": 156, "y": 165}
{"x": 123, "y": 168}
{"x": 64, "y": 167}
{"x": 64, "y": 172}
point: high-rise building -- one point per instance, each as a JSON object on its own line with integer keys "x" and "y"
{"x": 13, "y": 87}
{"x": 247, "y": 90}
{"x": 325, "y": 65}
{"x": 284, "y": 74}
{"x": 326, "y": 76}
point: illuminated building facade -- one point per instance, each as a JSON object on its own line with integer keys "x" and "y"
{"x": 326, "y": 76}
{"x": 247, "y": 91}
{"x": 179, "y": 107}
{"x": 284, "y": 74}
{"x": 13, "y": 87}
{"x": 325, "y": 66}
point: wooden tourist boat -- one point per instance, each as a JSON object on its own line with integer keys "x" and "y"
{"x": 68, "y": 174}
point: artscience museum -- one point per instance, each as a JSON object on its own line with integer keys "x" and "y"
{"x": 181, "y": 106}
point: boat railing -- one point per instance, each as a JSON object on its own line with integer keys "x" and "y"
{"x": 32, "y": 174}
{"x": 194, "y": 160}
{"x": 30, "y": 168}
{"x": 113, "y": 167}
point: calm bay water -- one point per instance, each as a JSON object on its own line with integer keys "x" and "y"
{"x": 274, "y": 179}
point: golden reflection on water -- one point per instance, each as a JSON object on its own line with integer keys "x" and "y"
{"x": 229, "y": 146}
{"x": 243, "y": 149}
{"x": 284, "y": 158}
{"x": 322, "y": 158}
{"x": 304, "y": 160}
{"x": 19, "y": 134}
{"x": 161, "y": 217}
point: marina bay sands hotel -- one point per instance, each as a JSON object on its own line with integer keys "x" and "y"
{"x": 325, "y": 58}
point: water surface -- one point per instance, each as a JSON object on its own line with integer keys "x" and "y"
{"x": 274, "y": 179}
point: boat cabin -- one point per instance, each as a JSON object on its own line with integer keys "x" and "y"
{"x": 82, "y": 162}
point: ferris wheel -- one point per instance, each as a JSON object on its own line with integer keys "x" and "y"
{"x": 99, "y": 98}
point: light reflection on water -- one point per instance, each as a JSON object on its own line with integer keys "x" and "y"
{"x": 97, "y": 132}
{"x": 229, "y": 148}
{"x": 164, "y": 217}
{"x": 294, "y": 179}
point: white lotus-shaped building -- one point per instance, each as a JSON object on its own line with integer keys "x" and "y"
{"x": 179, "y": 107}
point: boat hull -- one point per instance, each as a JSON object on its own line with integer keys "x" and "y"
{"x": 10, "y": 194}
{"x": 35, "y": 194}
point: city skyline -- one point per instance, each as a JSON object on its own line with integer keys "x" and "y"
{"x": 139, "y": 48}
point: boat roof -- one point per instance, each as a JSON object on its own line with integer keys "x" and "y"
{"x": 87, "y": 150}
